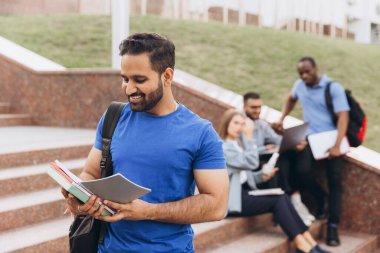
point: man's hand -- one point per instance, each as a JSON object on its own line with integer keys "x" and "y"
{"x": 135, "y": 210}
{"x": 301, "y": 146}
{"x": 334, "y": 152}
{"x": 91, "y": 207}
{"x": 278, "y": 127}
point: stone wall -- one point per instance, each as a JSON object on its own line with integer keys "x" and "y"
{"x": 77, "y": 98}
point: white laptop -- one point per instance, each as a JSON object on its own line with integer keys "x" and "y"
{"x": 321, "y": 142}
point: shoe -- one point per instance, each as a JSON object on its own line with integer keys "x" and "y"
{"x": 332, "y": 235}
{"x": 313, "y": 250}
{"x": 304, "y": 213}
{"x": 320, "y": 250}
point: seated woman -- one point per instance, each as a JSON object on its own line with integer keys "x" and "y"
{"x": 241, "y": 156}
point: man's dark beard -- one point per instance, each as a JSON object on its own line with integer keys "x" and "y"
{"x": 148, "y": 101}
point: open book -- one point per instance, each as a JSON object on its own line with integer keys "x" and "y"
{"x": 115, "y": 188}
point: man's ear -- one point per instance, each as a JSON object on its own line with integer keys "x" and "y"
{"x": 167, "y": 76}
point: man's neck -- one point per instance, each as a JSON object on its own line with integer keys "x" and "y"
{"x": 164, "y": 107}
{"x": 317, "y": 81}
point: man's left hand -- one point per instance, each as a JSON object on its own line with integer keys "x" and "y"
{"x": 135, "y": 210}
{"x": 334, "y": 152}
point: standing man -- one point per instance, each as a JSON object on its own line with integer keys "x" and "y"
{"x": 265, "y": 138}
{"x": 310, "y": 91}
{"x": 159, "y": 144}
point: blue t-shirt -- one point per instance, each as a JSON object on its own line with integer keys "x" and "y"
{"x": 160, "y": 153}
{"x": 314, "y": 106}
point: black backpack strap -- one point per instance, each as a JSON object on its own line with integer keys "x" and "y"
{"x": 110, "y": 121}
{"x": 329, "y": 102}
{"x": 109, "y": 125}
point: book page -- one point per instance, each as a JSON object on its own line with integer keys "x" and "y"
{"x": 264, "y": 192}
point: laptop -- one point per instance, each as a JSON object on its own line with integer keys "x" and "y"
{"x": 293, "y": 136}
{"x": 321, "y": 142}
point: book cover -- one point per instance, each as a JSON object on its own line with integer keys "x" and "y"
{"x": 73, "y": 188}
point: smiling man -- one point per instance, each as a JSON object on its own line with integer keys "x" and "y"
{"x": 160, "y": 144}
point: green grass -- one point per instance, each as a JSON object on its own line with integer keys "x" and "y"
{"x": 238, "y": 58}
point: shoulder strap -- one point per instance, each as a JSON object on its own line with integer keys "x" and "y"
{"x": 329, "y": 103}
{"x": 110, "y": 121}
{"x": 109, "y": 125}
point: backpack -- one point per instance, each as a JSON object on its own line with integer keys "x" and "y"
{"x": 357, "y": 124}
{"x": 87, "y": 232}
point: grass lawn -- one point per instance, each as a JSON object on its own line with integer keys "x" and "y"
{"x": 237, "y": 58}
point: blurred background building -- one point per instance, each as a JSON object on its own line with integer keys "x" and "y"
{"x": 358, "y": 20}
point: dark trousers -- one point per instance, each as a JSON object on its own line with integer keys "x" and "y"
{"x": 284, "y": 213}
{"x": 297, "y": 173}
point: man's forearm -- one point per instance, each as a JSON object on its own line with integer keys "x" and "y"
{"x": 85, "y": 176}
{"x": 194, "y": 209}
{"x": 342, "y": 126}
{"x": 288, "y": 107}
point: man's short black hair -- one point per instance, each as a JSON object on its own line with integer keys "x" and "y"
{"x": 309, "y": 59}
{"x": 250, "y": 95}
{"x": 161, "y": 51}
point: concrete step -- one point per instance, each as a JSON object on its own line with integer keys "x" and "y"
{"x": 20, "y": 146}
{"x": 49, "y": 236}
{"x": 261, "y": 239}
{"x": 269, "y": 240}
{"x": 16, "y": 120}
{"x": 56, "y": 231}
{"x": 32, "y": 178}
{"x": 212, "y": 234}
{"x": 265, "y": 240}
{"x": 352, "y": 242}
{"x": 5, "y": 107}
{"x": 28, "y": 208}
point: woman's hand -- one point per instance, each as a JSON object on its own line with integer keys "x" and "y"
{"x": 267, "y": 176}
{"x": 249, "y": 128}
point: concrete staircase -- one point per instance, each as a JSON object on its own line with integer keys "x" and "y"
{"x": 32, "y": 208}
{"x": 31, "y": 205}
{"x": 10, "y": 119}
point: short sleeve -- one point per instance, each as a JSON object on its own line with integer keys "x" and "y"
{"x": 210, "y": 153}
{"x": 294, "y": 90}
{"x": 98, "y": 138}
{"x": 339, "y": 98}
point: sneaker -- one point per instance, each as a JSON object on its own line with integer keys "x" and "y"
{"x": 313, "y": 250}
{"x": 304, "y": 213}
{"x": 320, "y": 250}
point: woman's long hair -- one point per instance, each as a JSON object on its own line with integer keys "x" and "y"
{"x": 225, "y": 121}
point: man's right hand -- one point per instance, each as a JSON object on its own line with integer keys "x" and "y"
{"x": 278, "y": 127}
{"x": 91, "y": 207}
